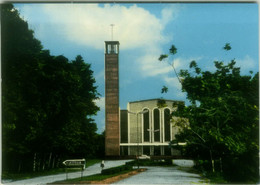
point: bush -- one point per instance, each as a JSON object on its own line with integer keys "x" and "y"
{"x": 148, "y": 162}
{"x": 241, "y": 169}
{"x": 118, "y": 169}
{"x": 203, "y": 165}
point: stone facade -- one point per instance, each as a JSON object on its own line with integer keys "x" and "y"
{"x": 149, "y": 129}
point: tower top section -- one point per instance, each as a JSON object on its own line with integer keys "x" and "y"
{"x": 111, "y": 47}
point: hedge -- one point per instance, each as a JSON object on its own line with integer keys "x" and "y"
{"x": 147, "y": 162}
{"x": 117, "y": 169}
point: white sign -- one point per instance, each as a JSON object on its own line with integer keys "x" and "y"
{"x": 74, "y": 162}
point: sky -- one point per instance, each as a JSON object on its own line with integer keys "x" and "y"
{"x": 145, "y": 31}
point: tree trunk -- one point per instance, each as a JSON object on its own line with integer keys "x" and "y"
{"x": 34, "y": 162}
{"x": 39, "y": 164}
{"x": 53, "y": 162}
{"x": 212, "y": 162}
{"x": 49, "y": 163}
{"x": 58, "y": 161}
{"x": 221, "y": 168}
{"x": 19, "y": 166}
{"x": 43, "y": 162}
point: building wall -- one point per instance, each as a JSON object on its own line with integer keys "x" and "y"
{"x": 137, "y": 140}
{"x": 137, "y": 126}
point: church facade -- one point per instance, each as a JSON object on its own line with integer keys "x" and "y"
{"x": 146, "y": 129}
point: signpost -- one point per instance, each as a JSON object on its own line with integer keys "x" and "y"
{"x": 75, "y": 163}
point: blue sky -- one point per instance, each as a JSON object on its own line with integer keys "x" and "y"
{"x": 199, "y": 31}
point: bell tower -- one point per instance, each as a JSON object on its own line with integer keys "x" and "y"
{"x": 112, "y": 147}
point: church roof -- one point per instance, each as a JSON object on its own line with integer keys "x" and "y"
{"x": 155, "y": 99}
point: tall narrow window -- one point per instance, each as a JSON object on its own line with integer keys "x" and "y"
{"x": 167, "y": 130}
{"x": 146, "y": 150}
{"x": 146, "y": 126}
{"x": 156, "y": 115}
{"x": 157, "y": 150}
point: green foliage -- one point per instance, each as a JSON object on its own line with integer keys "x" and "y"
{"x": 194, "y": 65}
{"x": 148, "y": 162}
{"x": 173, "y": 50}
{"x": 161, "y": 103}
{"x": 95, "y": 177}
{"x": 162, "y": 57}
{"x": 117, "y": 169}
{"x": 164, "y": 89}
{"x": 61, "y": 170}
{"x": 222, "y": 119}
{"x": 227, "y": 47}
{"x": 47, "y": 101}
{"x": 204, "y": 166}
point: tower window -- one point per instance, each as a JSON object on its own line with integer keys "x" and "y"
{"x": 112, "y": 48}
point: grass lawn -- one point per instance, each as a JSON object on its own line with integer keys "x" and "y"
{"x": 21, "y": 176}
{"x": 212, "y": 178}
{"x": 216, "y": 178}
{"x": 96, "y": 177}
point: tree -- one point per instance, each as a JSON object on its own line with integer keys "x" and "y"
{"x": 47, "y": 101}
{"x": 223, "y": 119}
{"x": 19, "y": 55}
{"x": 172, "y": 52}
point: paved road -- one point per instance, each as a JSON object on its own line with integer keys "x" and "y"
{"x": 163, "y": 175}
{"x": 166, "y": 175}
{"x": 154, "y": 175}
{"x": 94, "y": 169}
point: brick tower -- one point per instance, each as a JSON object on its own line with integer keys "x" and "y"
{"x": 112, "y": 147}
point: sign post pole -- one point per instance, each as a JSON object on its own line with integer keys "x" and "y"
{"x": 82, "y": 171}
{"x": 76, "y": 163}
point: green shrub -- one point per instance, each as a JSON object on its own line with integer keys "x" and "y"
{"x": 148, "y": 162}
{"x": 117, "y": 169}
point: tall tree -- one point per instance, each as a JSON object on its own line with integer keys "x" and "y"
{"x": 222, "y": 119}
{"x": 19, "y": 52}
{"x": 47, "y": 100}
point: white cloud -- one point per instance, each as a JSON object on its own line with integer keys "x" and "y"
{"x": 150, "y": 65}
{"x": 100, "y": 117}
{"x": 184, "y": 63}
{"x": 246, "y": 64}
{"x": 100, "y": 103}
{"x": 169, "y": 13}
{"x": 173, "y": 82}
{"x": 174, "y": 88}
{"x": 100, "y": 75}
{"x": 89, "y": 25}
{"x": 166, "y": 67}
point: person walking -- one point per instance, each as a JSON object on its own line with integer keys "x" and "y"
{"x": 102, "y": 165}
